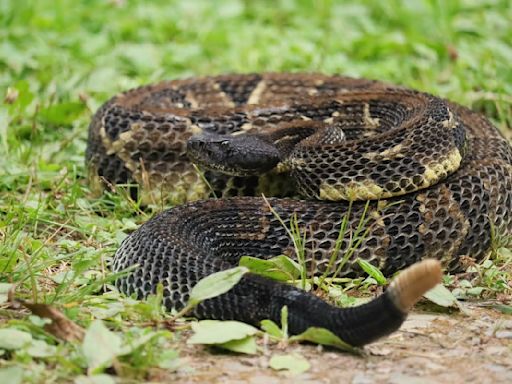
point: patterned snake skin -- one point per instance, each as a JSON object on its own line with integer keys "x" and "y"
{"x": 437, "y": 177}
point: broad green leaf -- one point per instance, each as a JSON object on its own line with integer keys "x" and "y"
{"x": 246, "y": 345}
{"x": 465, "y": 284}
{"x": 345, "y": 300}
{"x": 11, "y": 375}
{"x": 39, "y": 348}
{"x": 323, "y": 336}
{"x": 216, "y": 284}
{"x": 271, "y": 328}
{"x": 100, "y": 346}
{"x": 293, "y": 363}
{"x": 506, "y": 253}
{"x": 280, "y": 268}
{"x": 14, "y": 339}
{"x": 475, "y": 291}
{"x": 442, "y": 296}
{"x": 372, "y": 271}
{"x": 169, "y": 360}
{"x": 219, "y": 332}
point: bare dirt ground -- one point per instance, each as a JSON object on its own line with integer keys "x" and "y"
{"x": 470, "y": 347}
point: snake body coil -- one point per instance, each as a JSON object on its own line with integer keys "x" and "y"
{"x": 437, "y": 177}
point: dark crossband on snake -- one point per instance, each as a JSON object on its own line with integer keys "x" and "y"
{"x": 430, "y": 179}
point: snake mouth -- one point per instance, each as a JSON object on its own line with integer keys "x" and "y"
{"x": 233, "y": 155}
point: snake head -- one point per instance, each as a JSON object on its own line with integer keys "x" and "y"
{"x": 241, "y": 155}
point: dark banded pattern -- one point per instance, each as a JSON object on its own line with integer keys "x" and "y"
{"x": 438, "y": 175}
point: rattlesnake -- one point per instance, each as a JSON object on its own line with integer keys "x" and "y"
{"x": 438, "y": 178}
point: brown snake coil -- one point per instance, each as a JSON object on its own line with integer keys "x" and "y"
{"x": 438, "y": 177}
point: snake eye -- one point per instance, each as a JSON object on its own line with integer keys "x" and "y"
{"x": 224, "y": 143}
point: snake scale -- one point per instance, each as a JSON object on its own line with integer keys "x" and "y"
{"x": 424, "y": 177}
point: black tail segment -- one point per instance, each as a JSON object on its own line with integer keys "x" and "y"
{"x": 356, "y": 326}
{"x": 366, "y": 323}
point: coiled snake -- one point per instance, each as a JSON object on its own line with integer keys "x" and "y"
{"x": 437, "y": 177}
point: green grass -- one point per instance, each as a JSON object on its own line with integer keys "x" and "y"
{"x": 59, "y": 60}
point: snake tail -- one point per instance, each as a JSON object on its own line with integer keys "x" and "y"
{"x": 365, "y": 323}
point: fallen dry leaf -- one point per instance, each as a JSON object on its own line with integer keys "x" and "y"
{"x": 60, "y": 326}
